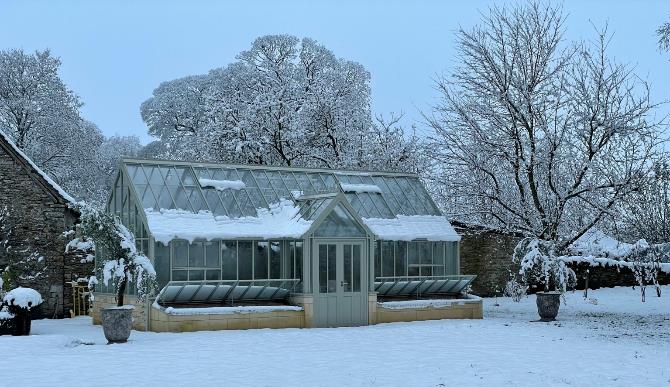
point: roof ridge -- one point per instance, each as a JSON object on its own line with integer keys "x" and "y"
{"x": 265, "y": 167}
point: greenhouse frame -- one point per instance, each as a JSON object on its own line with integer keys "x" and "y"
{"x": 333, "y": 243}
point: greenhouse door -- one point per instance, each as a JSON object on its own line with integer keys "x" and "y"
{"x": 340, "y": 297}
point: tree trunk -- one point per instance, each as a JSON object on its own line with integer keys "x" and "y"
{"x": 121, "y": 290}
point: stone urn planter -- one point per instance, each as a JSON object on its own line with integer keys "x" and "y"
{"x": 548, "y": 304}
{"x": 117, "y": 322}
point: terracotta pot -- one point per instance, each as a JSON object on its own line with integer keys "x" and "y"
{"x": 117, "y": 323}
{"x": 548, "y": 304}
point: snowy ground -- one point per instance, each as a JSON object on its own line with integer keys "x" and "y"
{"x": 618, "y": 341}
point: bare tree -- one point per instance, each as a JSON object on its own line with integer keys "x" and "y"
{"x": 535, "y": 134}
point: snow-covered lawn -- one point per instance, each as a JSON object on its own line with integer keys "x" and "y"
{"x": 616, "y": 341}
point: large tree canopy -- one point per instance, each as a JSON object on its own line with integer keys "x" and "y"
{"x": 283, "y": 102}
{"x": 535, "y": 134}
{"x": 41, "y": 115}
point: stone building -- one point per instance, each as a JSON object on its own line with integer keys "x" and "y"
{"x": 42, "y": 222}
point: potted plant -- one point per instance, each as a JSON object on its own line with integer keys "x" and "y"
{"x": 19, "y": 302}
{"x": 540, "y": 265}
{"x": 119, "y": 262}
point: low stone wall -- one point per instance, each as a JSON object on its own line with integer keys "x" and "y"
{"x": 418, "y": 311}
{"x": 162, "y": 321}
{"x": 103, "y": 300}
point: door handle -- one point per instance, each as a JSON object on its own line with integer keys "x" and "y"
{"x": 342, "y": 283}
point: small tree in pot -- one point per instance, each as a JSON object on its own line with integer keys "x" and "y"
{"x": 540, "y": 265}
{"x": 121, "y": 263}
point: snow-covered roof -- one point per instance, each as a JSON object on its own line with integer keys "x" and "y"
{"x": 597, "y": 243}
{"x": 407, "y": 228}
{"x": 264, "y": 201}
{"x": 282, "y": 220}
{"x": 61, "y": 192}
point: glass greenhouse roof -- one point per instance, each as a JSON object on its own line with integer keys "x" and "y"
{"x": 239, "y": 191}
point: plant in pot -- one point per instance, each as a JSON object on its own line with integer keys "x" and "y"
{"x": 18, "y": 303}
{"x": 541, "y": 266}
{"x": 119, "y": 262}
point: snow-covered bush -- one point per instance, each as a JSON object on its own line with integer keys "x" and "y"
{"x": 122, "y": 262}
{"x": 541, "y": 265}
{"x": 21, "y": 297}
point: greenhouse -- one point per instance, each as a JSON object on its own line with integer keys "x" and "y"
{"x": 333, "y": 244}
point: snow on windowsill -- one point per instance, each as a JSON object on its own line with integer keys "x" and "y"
{"x": 360, "y": 188}
{"x": 436, "y": 303}
{"x": 221, "y": 185}
{"x": 219, "y": 310}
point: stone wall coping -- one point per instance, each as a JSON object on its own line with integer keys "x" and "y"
{"x": 226, "y": 310}
{"x": 431, "y": 303}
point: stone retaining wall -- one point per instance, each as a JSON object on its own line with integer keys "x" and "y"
{"x": 164, "y": 322}
{"x": 468, "y": 309}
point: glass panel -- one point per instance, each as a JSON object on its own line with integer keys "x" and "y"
{"x": 357, "y": 268}
{"x": 424, "y": 197}
{"x": 413, "y": 259}
{"x": 244, "y": 251}
{"x": 348, "y": 270}
{"x": 229, "y": 260}
{"x": 196, "y": 275}
{"x": 275, "y": 260}
{"x": 298, "y": 264}
{"x": 261, "y": 179}
{"x": 179, "y": 253}
{"x": 452, "y": 258}
{"x": 179, "y": 275}
{"x": 425, "y": 253}
{"x": 213, "y": 275}
{"x": 162, "y": 264}
{"x": 323, "y": 268}
{"x": 211, "y": 254}
{"x": 261, "y": 260}
{"x": 339, "y": 223}
{"x": 400, "y": 258}
{"x": 387, "y": 259}
{"x": 332, "y": 269}
{"x": 378, "y": 261}
{"x": 196, "y": 255}
{"x": 327, "y": 268}
{"x": 181, "y": 199}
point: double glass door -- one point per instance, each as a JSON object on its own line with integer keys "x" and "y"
{"x": 340, "y": 297}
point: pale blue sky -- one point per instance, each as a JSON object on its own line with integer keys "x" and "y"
{"x": 115, "y": 53}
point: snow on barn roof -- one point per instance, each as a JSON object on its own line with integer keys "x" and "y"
{"x": 228, "y": 201}
{"x": 61, "y": 192}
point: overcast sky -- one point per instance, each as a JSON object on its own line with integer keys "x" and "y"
{"x": 115, "y": 53}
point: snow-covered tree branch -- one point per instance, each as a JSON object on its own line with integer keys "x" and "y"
{"x": 538, "y": 135}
